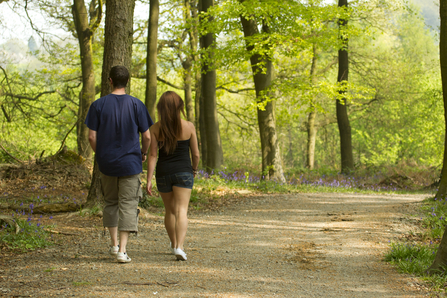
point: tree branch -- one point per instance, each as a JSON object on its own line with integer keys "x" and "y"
{"x": 65, "y": 138}
{"x": 27, "y": 97}
{"x": 10, "y": 154}
{"x": 235, "y": 91}
{"x": 98, "y": 17}
{"x": 160, "y": 80}
{"x": 8, "y": 119}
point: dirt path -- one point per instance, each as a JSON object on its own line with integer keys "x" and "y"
{"x": 300, "y": 245}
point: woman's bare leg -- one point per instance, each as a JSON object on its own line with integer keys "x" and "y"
{"x": 180, "y": 209}
{"x": 168, "y": 199}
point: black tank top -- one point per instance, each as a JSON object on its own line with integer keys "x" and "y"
{"x": 177, "y": 162}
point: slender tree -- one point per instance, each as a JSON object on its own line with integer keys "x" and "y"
{"x": 344, "y": 127}
{"x": 440, "y": 262}
{"x": 194, "y": 43}
{"x": 271, "y": 156}
{"x": 187, "y": 63}
{"x": 84, "y": 31}
{"x": 311, "y": 126}
{"x": 118, "y": 38}
{"x": 214, "y": 153}
{"x": 151, "y": 58}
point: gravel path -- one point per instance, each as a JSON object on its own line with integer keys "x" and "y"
{"x": 300, "y": 245}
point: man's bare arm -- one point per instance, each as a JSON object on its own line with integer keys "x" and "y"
{"x": 92, "y": 139}
{"x": 145, "y": 142}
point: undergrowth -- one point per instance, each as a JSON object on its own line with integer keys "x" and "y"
{"x": 416, "y": 256}
{"x": 208, "y": 186}
{"x": 25, "y": 232}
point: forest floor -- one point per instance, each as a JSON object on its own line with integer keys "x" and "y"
{"x": 285, "y": 245}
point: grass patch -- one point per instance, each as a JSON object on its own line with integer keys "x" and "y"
{"x": 412, "y": 258}
{"x": 90, "y": 211}
{"x": 415, "y": 259}
{"x": 434, "y": 218}
{"x": 417, "y": 256}
{"x": 31, "y": 236}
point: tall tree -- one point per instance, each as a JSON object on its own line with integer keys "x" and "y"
{"x": 187, "y": 62}
{"x": 311, "y": 127}
{"x": 262, "y": 68}
{"x": 214, "y": 153}
{"x": 347, "y": 160}
{"x": 118, "y": 38}
{"x": 194, "y": 43}
{"x": 440, "y": 262}
{"x": 84, "y": 31}
{"x": 151, "y": 59}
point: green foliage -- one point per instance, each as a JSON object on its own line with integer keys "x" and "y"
{"x": 417, "y": 256}
{"x": 30, "y": 237}
{"x": 150, "y": 201}
{"x": 434, "y": 218}
{"x": 412, "y": 258}
{"x": 91, "y": 211}
{"x": 394, "y": 89}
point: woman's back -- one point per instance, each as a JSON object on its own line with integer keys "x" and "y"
{"x": 179, "y": 160}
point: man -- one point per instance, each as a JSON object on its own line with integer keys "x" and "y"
{"x": 115, "y": 122}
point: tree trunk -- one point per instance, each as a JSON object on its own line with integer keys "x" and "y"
{"x": 271, "y": 157}
{"x": 194, "y": 42}
{"x": 151, "y": 58}
{"x": 117, "y": 51}
{"x": 311, "y": 138}
{"x": 441, "y": 256}
{"x": 214, "y": 156}
{"x": 347, "y": 160}
{"x": 118, "y": 39}
{"x": 187, "y": 64}
{"x": 187, "y": 79}
{"x": 84, "y": 31}
{"x": 311, "y": 128}
{"x": 202, "y": 126}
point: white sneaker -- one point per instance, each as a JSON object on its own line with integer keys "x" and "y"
{"x": 180, "y": 254}
{"x": 172, "y": 249}
{"x": 114, "y": 250}
{"x": 122, "y": 257}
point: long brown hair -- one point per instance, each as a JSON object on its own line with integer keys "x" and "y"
{"x": 169, "y": 107}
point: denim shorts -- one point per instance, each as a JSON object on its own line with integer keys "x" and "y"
{"x": 184, "y": 180}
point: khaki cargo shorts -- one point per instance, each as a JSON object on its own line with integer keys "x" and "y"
{"x": 121, "y": 196}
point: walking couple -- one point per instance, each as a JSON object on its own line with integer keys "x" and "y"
{"x": 115, "y": 123}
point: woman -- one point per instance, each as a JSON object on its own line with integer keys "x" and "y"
{"x": 174, "y": 138}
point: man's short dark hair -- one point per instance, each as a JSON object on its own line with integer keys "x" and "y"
{"x": 120, "y": 76}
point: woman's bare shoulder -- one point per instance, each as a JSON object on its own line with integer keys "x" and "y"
{"x": 155, "y": 128}
{"x": 188, "y": 128}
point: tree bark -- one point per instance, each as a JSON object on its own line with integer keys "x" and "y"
{"x": 344, "y": 127}
{"x": 311, "y": 138}
{"x": 188, "y": 90}
{"x": 311, "y": 127}
{"x": 214, "y": 156}
{"x": 151, "y": 58}
{"x": 187, "y": 65}
{"x": 271, "y": 157}
{"x": 84, "y": 31}
{"x": 118, "y": 38}
{"x": 440, "y": 261}
{"x": 194, "y": 43}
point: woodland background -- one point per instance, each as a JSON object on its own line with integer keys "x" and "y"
{"x": 393, "y": 95}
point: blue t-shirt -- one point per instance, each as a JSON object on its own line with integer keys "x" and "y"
{"x": 118, "y": 120}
